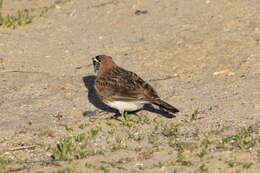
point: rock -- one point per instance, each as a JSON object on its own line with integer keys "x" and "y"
{"x": 225, "y": 72}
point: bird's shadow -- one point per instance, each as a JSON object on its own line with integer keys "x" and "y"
{"x": 94, "y": 99}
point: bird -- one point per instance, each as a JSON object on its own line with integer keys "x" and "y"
{"x": 122, "y": 89}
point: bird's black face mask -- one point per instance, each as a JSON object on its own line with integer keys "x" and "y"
{"x": 96, "y": 63}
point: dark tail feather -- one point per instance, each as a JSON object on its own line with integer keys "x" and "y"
{"x": 165, "y": 105}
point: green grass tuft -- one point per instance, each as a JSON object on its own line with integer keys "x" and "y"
{"x": 170, "y": 130}
{"x": 63, "y": 150}
{"x": 20, "y": 19}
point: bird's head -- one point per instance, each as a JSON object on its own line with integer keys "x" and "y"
{"x": 102, "y": 63}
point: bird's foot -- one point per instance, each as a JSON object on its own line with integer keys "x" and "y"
{"x": 115, "y": 116}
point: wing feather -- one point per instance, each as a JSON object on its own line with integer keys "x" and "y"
{"x": 120, "y": 84}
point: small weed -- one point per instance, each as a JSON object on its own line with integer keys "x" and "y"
{"x": 135, "y": 136}
{"x": 94, "y": 131}
{"x": 205, "y": 143}
{"x": 144, "y": 119}
{"x": 194, "y": 115}
{"x": 244, "y": 139}
{"x": 118, "y": 146}
{"x": 202, "y": 169}
{"x": 245, "y": 165}
{"x": 181, "y": 159}
{"x": 230, "y": 163}
{"x": 4, "y": 161}
{"x": 171, "y": 130}
{"x": 80, "y": 137}
{"x": 171, "y": 162}
{"x": 112, "y": 131}
{"x": 63, "y": 150}
{"x": 20, "y": 19}
{"x": 153, "y": 138}
{"x": 105, "y": 169}
{"x": 132, "y": 120}
{"x": 180, "y": 145}
{"x": 140, "y": 120}
{"x": 204, "y": 146}
{"x": 82, "y": 126}
{"x": 83, "y": 153}
{"x": 71, "y": 148}
{"x": 202, "y": 152}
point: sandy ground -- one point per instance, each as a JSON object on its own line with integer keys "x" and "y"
{"x": 202, "y": 56}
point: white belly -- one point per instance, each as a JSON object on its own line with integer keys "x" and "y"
{"x": 126, "y": 106}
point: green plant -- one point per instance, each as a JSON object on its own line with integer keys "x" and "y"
{"x": 194, "y": 115}
{"x": 20, "y": 19}
{"x": 135, "y": 136}
{"x": 82, "y": 126}
{"x": 243, "y": 139}
{"x": 153, "y": 138}
{"x": 94, "y": 131}
{"x": 182, "y": 160}
{"x": 104, "y": 169}
{"x": 118, "y": 146}
{"x": 204, "y": 147}
{"x": 170, "y": 130}
{"x": 3, "y": 162}
{"x": 179, "y": 146}
{"x": 63, "y": 149}
{"x": 231, "y": 163}
{"x": 80, "y": 137}
{"x": 83, "y": 153}
{"x": 202, "y": 169}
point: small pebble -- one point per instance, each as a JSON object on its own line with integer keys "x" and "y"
{"x": 140, "y": 12}
{"x": 89, "y": 113}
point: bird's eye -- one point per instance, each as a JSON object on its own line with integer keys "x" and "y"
{"x": 98, "y": 58}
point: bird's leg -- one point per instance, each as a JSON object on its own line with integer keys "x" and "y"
{"x": 125, "y": 116}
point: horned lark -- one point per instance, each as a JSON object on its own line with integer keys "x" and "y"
{"x": 122, "y": 89}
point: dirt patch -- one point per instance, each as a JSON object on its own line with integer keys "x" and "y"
{"x": 201, "y": 56}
